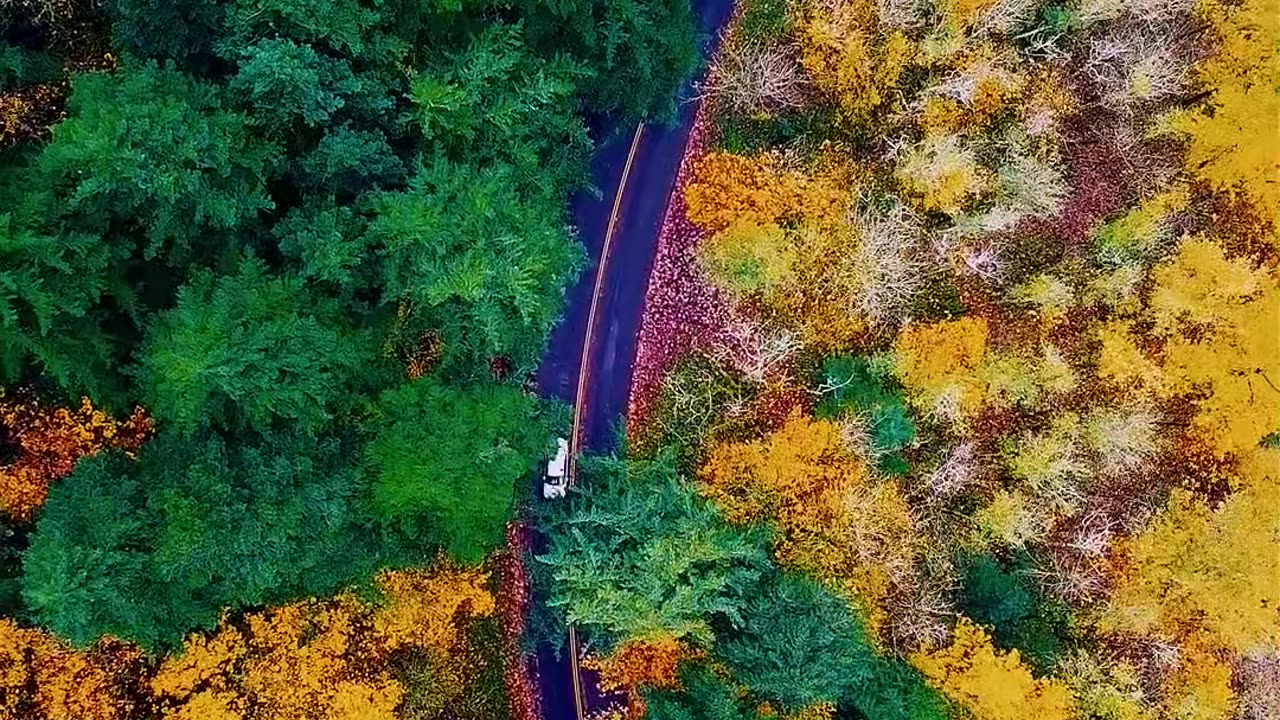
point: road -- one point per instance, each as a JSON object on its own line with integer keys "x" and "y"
{"x": 588, "y": 362}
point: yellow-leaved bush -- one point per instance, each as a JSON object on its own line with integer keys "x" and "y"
{"x": 992, "y": 684}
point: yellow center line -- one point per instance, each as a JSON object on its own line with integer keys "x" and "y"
{"x": 579, "y": 697}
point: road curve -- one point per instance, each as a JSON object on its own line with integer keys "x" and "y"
{"x": 635, "y": 170}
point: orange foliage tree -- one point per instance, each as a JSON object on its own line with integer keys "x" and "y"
{"x": 833, "y": 518}
{"x": 636, "y": 662}
{"x": 643, "y": 662}
{"x": 43, "y": 679}
{"x": 990, "y": 684}
{"x": 49, "y": 441}
{"x": 727, "y": 188}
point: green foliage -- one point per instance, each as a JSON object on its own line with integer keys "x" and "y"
{"x": 352, "y": 28}
{"x": 250, "y": 218}
{"x": 1060, "y": 19}
{"x": 498, "y": 102}
{"x": 348, "y": 161}
{"x": 764, "y": 21}
{"x": 895, "y": 690}
{"x": 748, "y": 134}
{"x": 249, "y": 350}
{"x": 799, "y": 644}
{"x": 281, "y": 83}
{"x": 21, "y": 66}
{"x": 150, "y": 151}
{"x": 324, "y": 242}
{"x": 853, "y": 386}
{"x": 638, "y": 554}
{"x": 1004, "y": 598}
{"x": 475, "y": 259}
{"x": 449, "y": 459}
{"x": 151, "y": 550}
{"x": 181, "y": 30}
{"x": 706, "y": 696}
{"x": 640, "y": 51}
{"x": 50, "y": 308}
{"x": 12, "y": 542}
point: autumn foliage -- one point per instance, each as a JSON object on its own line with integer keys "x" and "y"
{"x": 834, "y": 518}
{"x": 939, "y": 363}
{"x": 41, "y": 678}
{"x": 728, "y": 188}
{"x": 49, "y": 440}
{"x": 1046, "y": 235}
{"x": 328, "y": 658}
{"x": 344, "y": 657}
{"x": 990, "y": 683}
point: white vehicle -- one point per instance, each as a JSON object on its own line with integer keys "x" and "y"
{"x": 557, "y": 471}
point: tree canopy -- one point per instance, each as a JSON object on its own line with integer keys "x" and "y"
{"x": 322, "y": 245}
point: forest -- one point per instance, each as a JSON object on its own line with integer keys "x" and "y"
{"x": 959, "y": 391}
{"x": 957, "y": 394}
{"x": 274, "y": 278}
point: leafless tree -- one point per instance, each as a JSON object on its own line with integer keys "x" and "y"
{"x": 1259, "y": 679}
{"x": 750, "y": 78}
{"x": 957, "y": 472}
{"x": 1138, "y": 64}
{"x": 891, "y": 263}
{"x": 757, "y": 352}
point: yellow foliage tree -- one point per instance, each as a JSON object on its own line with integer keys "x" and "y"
{"x": 940, "y": 366}
{"x": 833, "y": 518}
{"x": 1123, "y": 365}
{"x": 324, "y": 660}
{"x": 1223, "y": 348}
{"x": 1200, "y": 689}
{"x": 850, "y": 60}
{"x": 822, "y": 296}
{"x": 43, "y": 679}
{"x": 991, "y": 684}
{"x": 748, "y": 259}
{"x": 1219, "y": 569}
{"x": 1234, "y": 142}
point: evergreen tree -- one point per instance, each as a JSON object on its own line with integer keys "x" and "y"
{"x": 640, "y": 555}
{"x": 478, "y": 261}
{"x": 151, "y": 550}
{"x": 151, "y": 152}
{"x": 446, "y": 460}
{"x": 249, "y": 350}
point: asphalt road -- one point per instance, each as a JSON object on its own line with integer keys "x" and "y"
{"x": 620, "y": 300}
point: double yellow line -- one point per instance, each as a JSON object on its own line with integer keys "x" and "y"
{"x": 579, "y": 696}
